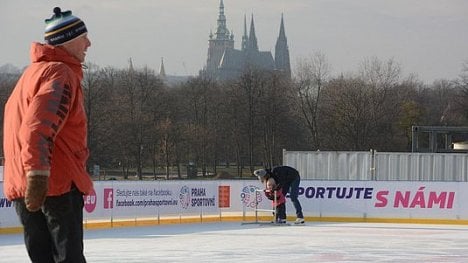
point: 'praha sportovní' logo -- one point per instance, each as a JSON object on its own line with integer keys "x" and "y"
{"x": 185, "y": 197}
{"x": 249, "y": 195}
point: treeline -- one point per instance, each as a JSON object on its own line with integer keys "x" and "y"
{"x": 137, "y": 122}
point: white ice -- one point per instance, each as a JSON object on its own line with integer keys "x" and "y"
{"x": 233, "y": 242}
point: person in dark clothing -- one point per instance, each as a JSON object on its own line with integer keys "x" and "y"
{"x": 288, "y": 179}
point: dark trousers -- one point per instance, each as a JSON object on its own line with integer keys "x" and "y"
{"x": 280, "y": 211}
{"x": 293, "y": 190}
{"x": 54, "y": 233}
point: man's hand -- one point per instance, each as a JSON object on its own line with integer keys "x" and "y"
{"x": 36, "y": 190}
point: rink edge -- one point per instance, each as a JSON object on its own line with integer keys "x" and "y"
{"x": 95, "y": 224}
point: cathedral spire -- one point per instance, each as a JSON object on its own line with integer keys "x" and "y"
{"x": 222, "y": 32}
{"x": 130, "y": 65}
{"x": 245, "y": 38}
{"x": 162, "y": 71}
{"x": 218, "y": 43}
{"x": 282, "y": 33}
{"x": 282, "y": 51}
{"x": 252, "y": 44}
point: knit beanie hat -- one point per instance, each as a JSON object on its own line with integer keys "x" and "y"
{"x": 260, "y": 173}
{"x": 63, "y": 27}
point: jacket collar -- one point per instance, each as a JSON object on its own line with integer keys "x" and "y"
{"x": 46, "y": 53}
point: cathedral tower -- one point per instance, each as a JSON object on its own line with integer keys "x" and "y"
{"x": 217, "y": 44}
{"x": 225, "y": 62}
{"x": 282, "y": 51}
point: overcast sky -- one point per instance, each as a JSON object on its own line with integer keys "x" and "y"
{"x": 427, "y": 38}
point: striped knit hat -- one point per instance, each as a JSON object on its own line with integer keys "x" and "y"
{"x": 63, "y": 27}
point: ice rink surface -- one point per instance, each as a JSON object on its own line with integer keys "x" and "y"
{"x": 233, "y": 242}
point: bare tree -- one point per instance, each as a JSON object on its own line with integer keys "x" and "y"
{"x": 312, "y": 75}
{"x": 380, "y": 74}
{"x": 411, "y": 110}
{"x": 199, "y": 93}
{"x": 250, "y": 86}
{"x": 236, "y": 126}
{"x": 384, "y": 105}
{"x": 173, "y": 138}
{"x": 136, "y": 97}
{"x": 347, "y": 120}
{"x": 461, "y": 101}
{"x": 276, "y": 118}
{"x": 167, "y": 144}
{"x": 96, "y": 95}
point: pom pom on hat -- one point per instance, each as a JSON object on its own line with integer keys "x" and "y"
{"x": 260, "y": 173}
{"x": 63, "y": 27}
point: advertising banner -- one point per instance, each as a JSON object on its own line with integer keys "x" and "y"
{"x": 152, "y": 199}
{"x": 378, "y": 199}
{"x": 117, "y": 200}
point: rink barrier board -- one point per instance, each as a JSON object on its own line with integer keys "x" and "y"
{"x": 148, "y": 203}
{"x": 155, "y": 222}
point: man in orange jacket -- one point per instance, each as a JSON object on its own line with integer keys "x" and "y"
{"x": 45, "y": 143}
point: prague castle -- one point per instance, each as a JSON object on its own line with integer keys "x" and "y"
{"x": 225, "y": 62}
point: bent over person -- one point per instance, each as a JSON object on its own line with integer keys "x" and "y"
{"x": 288, "y": 179}
{"x": 45, "y": 143}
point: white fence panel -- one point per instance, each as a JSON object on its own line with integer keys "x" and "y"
{"x": 395, "y": 166}
{"x": 421, "y": 166}
{"x": 330, "y": 165}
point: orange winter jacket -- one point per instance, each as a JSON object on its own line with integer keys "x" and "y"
{"x": 45, "y": 125}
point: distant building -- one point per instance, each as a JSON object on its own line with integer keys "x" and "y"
{"x": 170, "y": 80}
{"x": 226, "y": 62}
{"x": 162, "y": 70}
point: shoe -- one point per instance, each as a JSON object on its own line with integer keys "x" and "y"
{"x": 299, "y": 221}
{"x": 281, "y": 221}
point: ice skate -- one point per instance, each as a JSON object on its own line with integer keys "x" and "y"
{"x": 299, "y": 221}
{"x": 281, "y": 221}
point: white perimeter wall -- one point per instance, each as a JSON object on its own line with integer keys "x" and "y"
{"x": 115, "y": 200}
{"x": 380, "y": 166}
